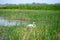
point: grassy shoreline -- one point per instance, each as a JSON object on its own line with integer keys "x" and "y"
{"x": 24, "y": 10}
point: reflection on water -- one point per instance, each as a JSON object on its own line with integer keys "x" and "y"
{"x": 9, "y": 22}
{"x": 4, "y": 22}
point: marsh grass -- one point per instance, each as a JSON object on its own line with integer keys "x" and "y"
{"x": 38, "y": 33}
{"x": 47, "y": 25}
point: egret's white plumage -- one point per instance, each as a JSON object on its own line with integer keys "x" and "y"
{"x": 31, "y": 25}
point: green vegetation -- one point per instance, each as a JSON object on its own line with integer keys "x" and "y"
{"x": 46, "y": 30}
{"x": 32, "y": 6}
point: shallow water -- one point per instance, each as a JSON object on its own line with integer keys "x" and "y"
{"x": 5, "y": 22}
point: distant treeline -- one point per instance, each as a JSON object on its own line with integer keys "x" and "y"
{"x": 32, "y": 6}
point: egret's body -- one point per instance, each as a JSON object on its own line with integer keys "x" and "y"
{"x": 31, "y": 25}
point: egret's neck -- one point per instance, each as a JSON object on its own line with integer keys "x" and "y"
{"x": 33, "y": 22}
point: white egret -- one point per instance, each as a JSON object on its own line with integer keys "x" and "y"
{"x": 31, "y": 25}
